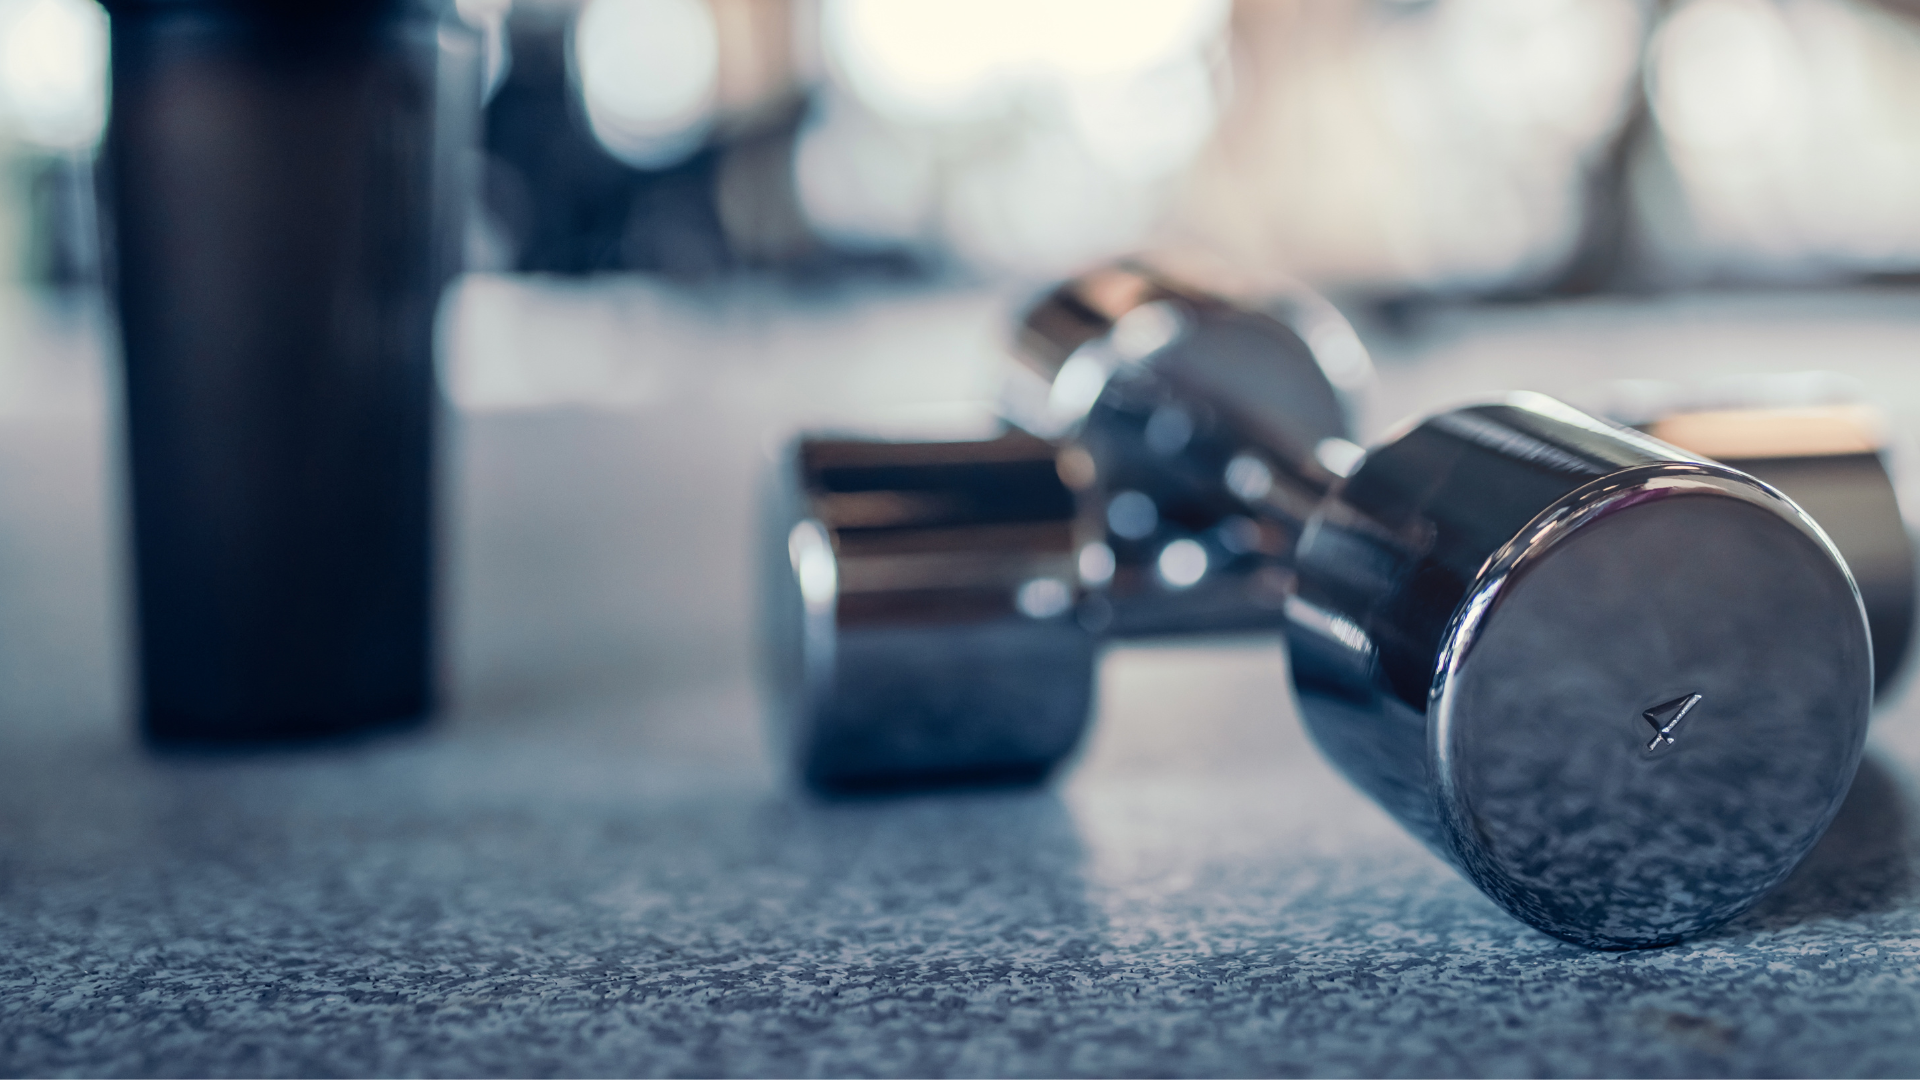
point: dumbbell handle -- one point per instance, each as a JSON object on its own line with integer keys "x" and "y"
{"x": 1197, "y": 427}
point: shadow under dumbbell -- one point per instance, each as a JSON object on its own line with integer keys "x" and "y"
{"x": 1862, "y": 865}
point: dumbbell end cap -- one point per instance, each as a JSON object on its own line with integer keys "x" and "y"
{"x": 921, "y": 616}
{"x": 1649, "y": 706}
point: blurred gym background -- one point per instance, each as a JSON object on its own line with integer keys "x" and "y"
{"x": 1386, "y": 151}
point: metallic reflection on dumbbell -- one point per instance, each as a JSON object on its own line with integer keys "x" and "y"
{"x": 925, "y": 612}
{"x": 942, "y": 630}
{"x": 1180, "y": 410}
{"x": 1828, "y": 459}
{"x": 1622, "y": 689}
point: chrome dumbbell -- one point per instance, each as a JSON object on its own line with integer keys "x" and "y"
{"x": 955, "y": 639}
{"x": 1622, "y": 688}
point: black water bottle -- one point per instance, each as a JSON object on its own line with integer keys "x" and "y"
{"x": 284, "y": 188}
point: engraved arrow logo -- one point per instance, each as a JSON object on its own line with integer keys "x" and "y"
{"x": 1665, "y": 718}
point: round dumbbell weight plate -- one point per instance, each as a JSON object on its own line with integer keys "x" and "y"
{"x": 1622, "y": 690}
{"x": 923, "y": 622}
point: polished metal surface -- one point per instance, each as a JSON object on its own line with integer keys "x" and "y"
{"x": 958, "y": 588}
{"x": 1207, "y": 428}
{"x": 925, "y": 613}
{"x": 1623, "y": 689}
{"x": 1830, "y": 459}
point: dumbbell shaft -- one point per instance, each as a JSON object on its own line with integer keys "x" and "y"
{"x": 1167, "y": 391}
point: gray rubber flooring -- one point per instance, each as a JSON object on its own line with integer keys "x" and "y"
{"x": 588, "y": 864}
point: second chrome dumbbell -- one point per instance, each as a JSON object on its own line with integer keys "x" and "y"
{"x": 954, "y": 639}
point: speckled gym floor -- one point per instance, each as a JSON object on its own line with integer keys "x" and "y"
{"x": 589, "y": 866}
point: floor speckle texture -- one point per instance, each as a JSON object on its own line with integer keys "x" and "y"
{"x": 587, "y": 866}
